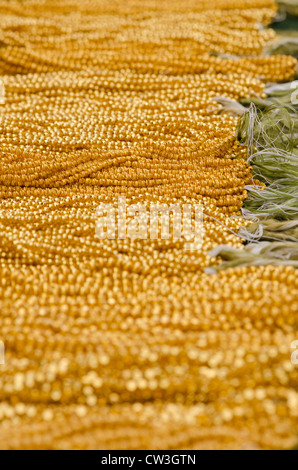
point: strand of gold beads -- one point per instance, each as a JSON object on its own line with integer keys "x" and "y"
{"x": 122, "y": 344}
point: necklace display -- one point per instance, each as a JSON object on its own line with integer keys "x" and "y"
{"x": 122, "y": 344}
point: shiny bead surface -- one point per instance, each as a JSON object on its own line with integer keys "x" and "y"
{"x": 122, "y": 344}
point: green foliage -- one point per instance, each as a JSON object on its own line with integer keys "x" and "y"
{"x": 269, "y": 130}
